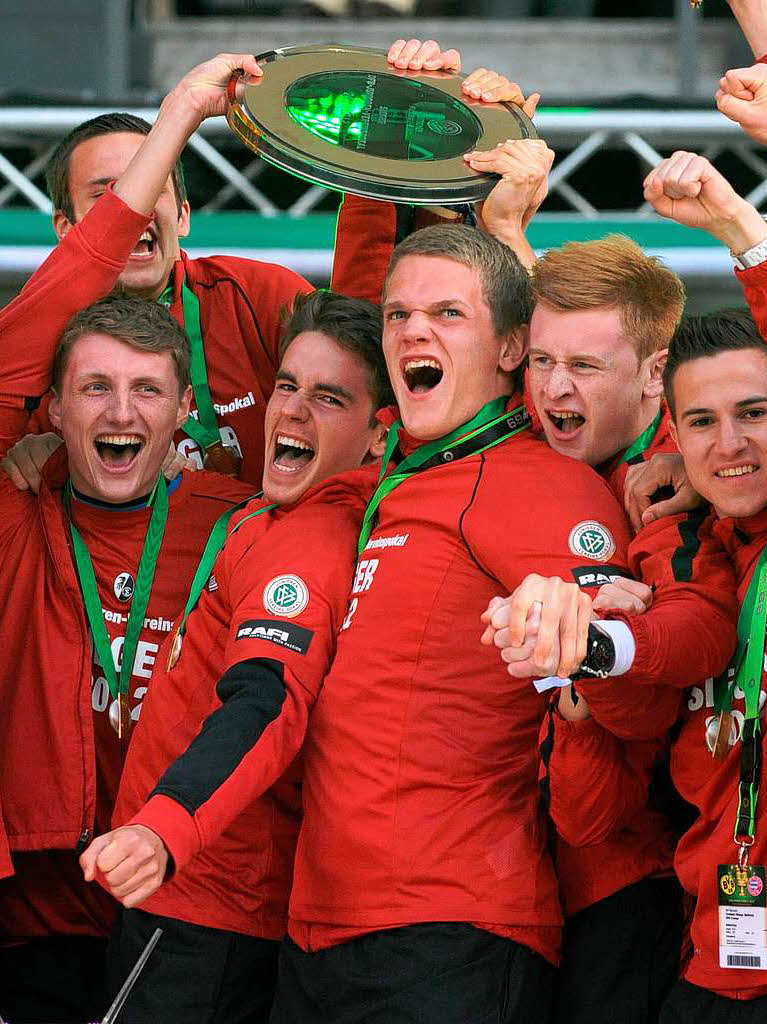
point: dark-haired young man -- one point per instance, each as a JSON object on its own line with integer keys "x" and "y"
{"x": 228, "y": 710}
{"x": 716, "y": 387}
{"x": 94, "y": 569}
{"x": 423, "y": 888}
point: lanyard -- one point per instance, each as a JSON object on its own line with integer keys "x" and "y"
{"x": 216, "y": 541}
{"x": 749, "y": 665}
{"x": 645, "y": 439}
{"x": 203, "y": 430}
{"x": 158, "y": 500}
{"x": 489, "y": 427}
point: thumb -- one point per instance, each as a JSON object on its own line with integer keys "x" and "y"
{"x": 90, "y": 856}
{"x": 531, "y": 104}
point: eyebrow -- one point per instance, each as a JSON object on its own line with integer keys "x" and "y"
{"x": 589, "y": 356}
{"x": 439, "y": 304}
{"x": 331, "y": 389}
{"x": 101, "y": 181}
{"x": 742, "y": 404}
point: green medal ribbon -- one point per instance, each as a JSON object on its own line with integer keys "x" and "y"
{"x": 645, "y": 439}
{"x": 491, "y": 425}
{"x": 158, "y": 500}
{"x": 218, "y": 537}
{"x": 749, "y": 665}
{"x": 203, "y": 430}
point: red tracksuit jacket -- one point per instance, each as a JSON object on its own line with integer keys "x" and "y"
{"x": 712, "y": 787}
{"x": 421, "y": 798}
{"x": 60, "y": 760}
{"x": 248, "y": 818}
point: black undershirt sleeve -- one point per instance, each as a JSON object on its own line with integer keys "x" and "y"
{"x": 252, "y": 693}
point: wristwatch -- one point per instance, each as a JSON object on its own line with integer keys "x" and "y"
{"x": 751, "y": 257}
{"x": 600, "y": 655}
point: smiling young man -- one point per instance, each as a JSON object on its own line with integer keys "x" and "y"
{"x": 105, "y": 551}
{"x": 423, "y": 889}
{"x": 716, "y": 387}
{"x": 228, "y": 708}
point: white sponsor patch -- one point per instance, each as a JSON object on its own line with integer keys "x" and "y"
{"x": 286, "y": 595}
{"x": 592, "y": 540}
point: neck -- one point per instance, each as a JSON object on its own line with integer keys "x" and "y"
{"x": 87, "y": 499}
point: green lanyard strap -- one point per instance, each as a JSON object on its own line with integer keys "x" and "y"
{"x": 218, "y": 537}
{"x": 489, "y": 427}
{"x": 645, "y": 439}
{"x": 204, "y": 431}
{"x": 158, "y": 500}
{"x": 749, "y": 665}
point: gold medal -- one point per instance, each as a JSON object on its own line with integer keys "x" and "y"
{"x": 718, "y": 735}
{"x": 175, "y": 649}
{"x": 223, "y": 458}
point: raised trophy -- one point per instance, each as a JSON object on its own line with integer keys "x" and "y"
{"x": 342, "y": 117}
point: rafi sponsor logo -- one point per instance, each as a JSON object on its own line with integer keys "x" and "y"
{"x": 399, "y": 540}
{"x": 284, "y": 634}
{"x": 591, "y": 540}
{"x": 124, "y": 586}
{"x": 286, "y": 595}
{"x": 589, "y": 576}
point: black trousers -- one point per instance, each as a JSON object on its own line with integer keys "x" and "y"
{"x": 688, "y": 1003}
{"x": 620, "y": 957}
{"x": 195, "y": 975}
{"x": 444, "y": 973}
{"x": 61, "y": 979}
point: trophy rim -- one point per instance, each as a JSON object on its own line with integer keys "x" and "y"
{"x": 272, "y": 132}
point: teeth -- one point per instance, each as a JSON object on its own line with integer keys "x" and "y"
{"x": 737, "y": 471}
{"x": 415, "y": 364}
{"x": 119, "y": 439}
{"x": 566, "y": 415}
{"x": 293, "y": 442}
{"x": 146, "y": 237}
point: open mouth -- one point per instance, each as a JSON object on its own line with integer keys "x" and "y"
{"x": 421, "y": 375}
{"x": 118, "y": 451}
{"x": 735, "y": 471}
{"x": 145, "y": 245}
{"x": 565, "y": 421}
{"x": 291, "y": 454}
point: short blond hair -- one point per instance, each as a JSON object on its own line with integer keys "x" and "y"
{"x": 614, "y": 272}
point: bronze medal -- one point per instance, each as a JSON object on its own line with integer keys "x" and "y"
{"x": 223, "y": 458}
{"x": 175, "y": 649}
{"x": 119, "y": 715}
{"x": 718, "y": 738}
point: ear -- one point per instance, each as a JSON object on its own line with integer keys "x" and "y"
{"x": 184, "y": 405}
{"x": 654, "y": 367}
{"x": 514, "y": 348}
{"x": 61, "y": 224}
{"x": 674, "y": 433}
{"x": 377, "y": 445}
{"x": 54, "y": 410}
{"x": 184, "y": 219}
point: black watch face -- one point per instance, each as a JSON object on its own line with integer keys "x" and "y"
{"x": 603, "y": 654}
{"x": 382, "y": 115}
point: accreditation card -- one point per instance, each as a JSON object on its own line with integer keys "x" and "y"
{"x": 742, "y": 916}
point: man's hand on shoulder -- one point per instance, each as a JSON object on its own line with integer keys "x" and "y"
{"x": 645, "y": 479}
{"x": 24, "y": 462}
{"x": 132, "y": 862}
